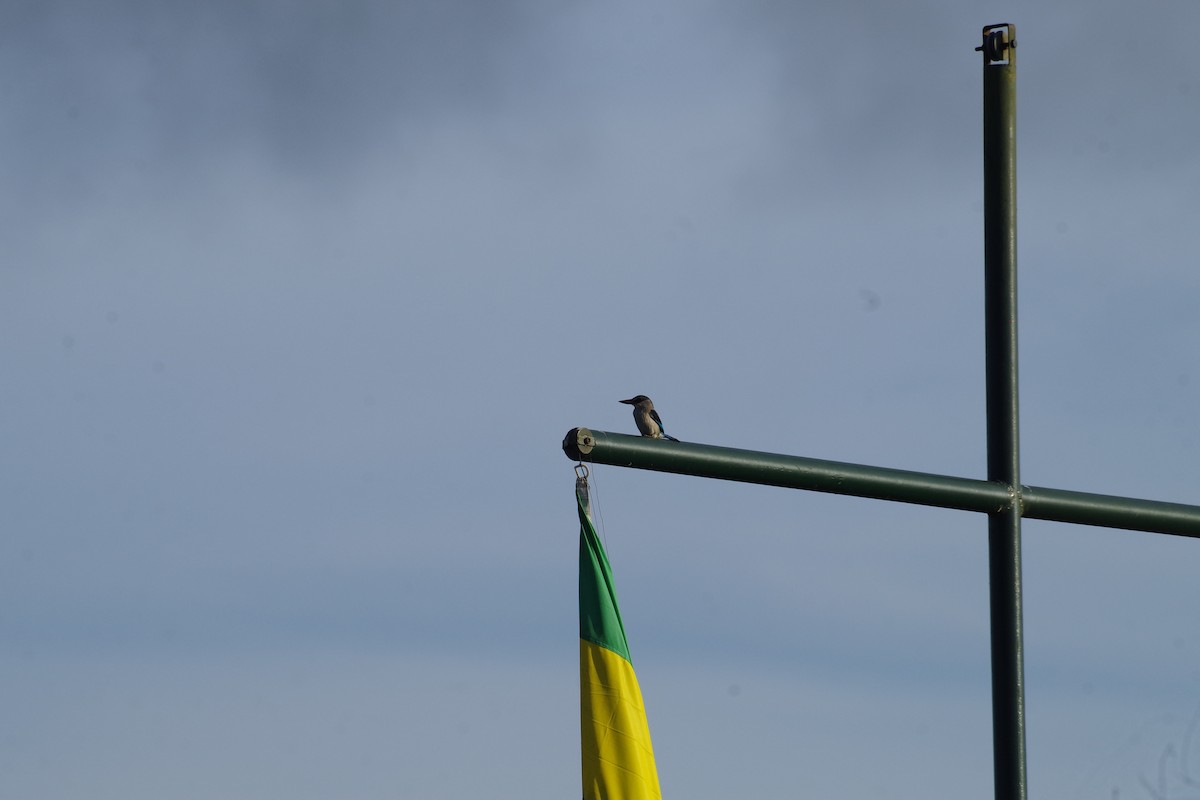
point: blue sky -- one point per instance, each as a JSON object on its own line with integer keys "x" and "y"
{"x": 298, "y": 301}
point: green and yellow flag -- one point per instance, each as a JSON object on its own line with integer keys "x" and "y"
{"x": 618, "y": 759}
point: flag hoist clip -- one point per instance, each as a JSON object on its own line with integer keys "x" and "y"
{"x": 581, "y": 482}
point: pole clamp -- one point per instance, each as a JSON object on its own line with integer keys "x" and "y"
{"x": 996, "y": 40}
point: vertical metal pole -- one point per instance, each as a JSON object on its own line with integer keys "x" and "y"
{"x": 1000, "y": 320}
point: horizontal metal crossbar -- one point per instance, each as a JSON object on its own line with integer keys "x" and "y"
{"x": 881, "y": 483}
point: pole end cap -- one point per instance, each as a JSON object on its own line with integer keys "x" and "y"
{"x": 578, "y": 443}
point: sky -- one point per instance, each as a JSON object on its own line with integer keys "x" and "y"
{"x": 298, "y": 300}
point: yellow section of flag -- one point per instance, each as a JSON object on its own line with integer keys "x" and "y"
{"x": 618, "y": 759}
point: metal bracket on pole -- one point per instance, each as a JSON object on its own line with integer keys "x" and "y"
{"x": 996, "y": 40}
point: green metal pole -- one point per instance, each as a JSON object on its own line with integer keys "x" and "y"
{"x": 880, "y": 483}
{"x": 1084, "y": 508}
{"x": 1003, "y": 430}
{"x": 792, "y": 472}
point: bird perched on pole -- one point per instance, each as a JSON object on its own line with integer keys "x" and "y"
{"x": 647, "y": 419}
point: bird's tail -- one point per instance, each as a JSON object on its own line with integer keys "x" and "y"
{"x": 669, "y": 436}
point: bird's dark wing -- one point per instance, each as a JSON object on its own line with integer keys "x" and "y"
{"x": 654, "y": 416}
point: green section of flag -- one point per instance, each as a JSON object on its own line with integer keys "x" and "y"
{"x": 599, "y": 616}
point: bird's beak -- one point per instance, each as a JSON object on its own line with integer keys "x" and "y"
{"x": 630, "y": 401}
